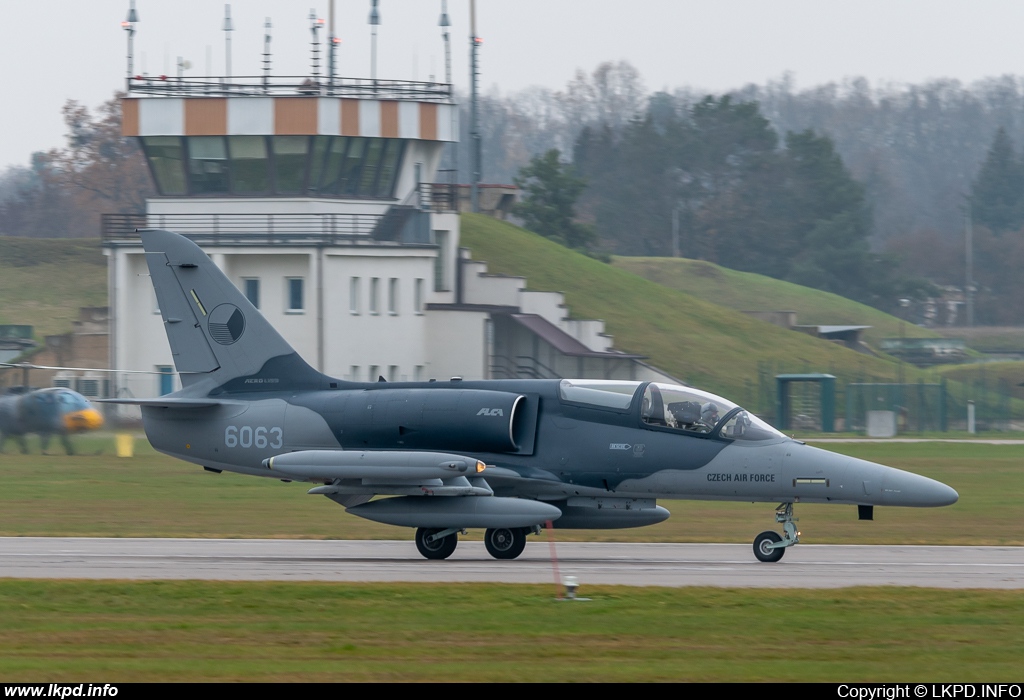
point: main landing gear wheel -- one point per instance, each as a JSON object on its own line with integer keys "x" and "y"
{"x": 762, "y": 546}
{"x": 505, "y": 542}
{"x": 440, "y": 548}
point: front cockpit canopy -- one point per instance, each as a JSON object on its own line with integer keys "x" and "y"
{"x": 698, "y": 412}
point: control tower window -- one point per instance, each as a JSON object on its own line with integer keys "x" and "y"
{"x": 330, "y": 181}
{"x": 167, "y": 161}
{"x": 249, "y": 174}
{"x": 318, "y": 161}
{"x": 389, "y": 168}
{"x": 351, "y": 167}
{"x": 290, "y": 163}
{"x": 371, "y": 166}
{"x": 207, "y": 164}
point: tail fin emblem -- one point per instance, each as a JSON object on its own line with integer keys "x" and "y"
{"x": 226, "y": 324}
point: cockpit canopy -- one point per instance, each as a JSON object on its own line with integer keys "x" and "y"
{"x": 671, "y": 406}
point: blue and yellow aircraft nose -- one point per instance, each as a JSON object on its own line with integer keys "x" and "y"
{"x": 83, "y": 420}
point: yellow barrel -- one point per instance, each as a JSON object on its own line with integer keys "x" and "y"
{"x": 125, "y": 445}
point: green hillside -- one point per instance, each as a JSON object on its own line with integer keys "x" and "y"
{"x": 43, "y": 282}
{"x": 707, "y": 345}
{"x": 746, "y": 291}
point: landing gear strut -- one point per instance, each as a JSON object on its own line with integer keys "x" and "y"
{"x": 769, "y": 546}
{"x": 436, "y": 544}
{"x": 505, "y": 542}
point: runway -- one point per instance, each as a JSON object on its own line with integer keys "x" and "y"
{"x": 635, "y": 564}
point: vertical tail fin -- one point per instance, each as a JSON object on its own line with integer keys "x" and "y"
{"x": 213, "y": 330}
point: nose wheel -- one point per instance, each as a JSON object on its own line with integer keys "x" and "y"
{"x": 770, "y": 546}
{"x": 765, "y": 548}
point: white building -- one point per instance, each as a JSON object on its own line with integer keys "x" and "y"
{"x": 319, "y": 204}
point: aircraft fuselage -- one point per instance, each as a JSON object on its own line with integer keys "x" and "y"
{"x": 557, "y": 448}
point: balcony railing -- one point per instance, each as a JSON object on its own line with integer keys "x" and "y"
{"x": 265, "y": 228}
{"x": 440, "y": 196}
{"x": 295, "y": 86}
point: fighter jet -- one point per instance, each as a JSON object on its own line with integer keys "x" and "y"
{"x": 505, "y": 455}
{"x": 48, "y": 412}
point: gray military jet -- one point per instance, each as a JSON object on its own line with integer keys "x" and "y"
{"x": 504, "y": 455}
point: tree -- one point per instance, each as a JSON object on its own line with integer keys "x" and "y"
{"x": 67, "y": 189}
{"x": 997, "y": 195}
{"x": 552, "y": 188}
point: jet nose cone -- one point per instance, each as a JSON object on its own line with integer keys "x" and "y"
{"x": 948, "y": 497}
{"x": 906, "y": 489}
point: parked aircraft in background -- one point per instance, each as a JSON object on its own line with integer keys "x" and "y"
{"x": 504, "y": 455}
{"x": 47, "y": 412}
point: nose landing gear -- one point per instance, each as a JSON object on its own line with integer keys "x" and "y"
{"x": 769, "y": 546}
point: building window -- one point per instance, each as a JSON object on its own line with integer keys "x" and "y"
{"x": 353, "y": 296}
{"x": 374, "y": 373}
{"x": 393, "y": 296}
{"x": 392, "y": 373}
{"x": 251, "y": 287}
{"x": 417, "y": 296}
{"x": 354, "y": 374}
{"x": 375, "y": 295}
{"x": 296, "y": 303}
{"x": 418, "y": 373}
{"x": 441, "y": 262}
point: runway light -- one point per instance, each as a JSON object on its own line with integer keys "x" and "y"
{"x": 571, "y": 584}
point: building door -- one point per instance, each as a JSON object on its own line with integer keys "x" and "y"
{"x": 166, "y": 379}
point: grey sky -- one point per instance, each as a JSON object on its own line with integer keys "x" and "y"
{"x": 75, "y": 49}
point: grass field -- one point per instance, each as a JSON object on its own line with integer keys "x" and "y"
{"x": 206, "y": 631}
{"x": 152, "y": 495}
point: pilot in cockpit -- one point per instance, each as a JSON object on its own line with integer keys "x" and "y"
{"x": 709, "y": 414}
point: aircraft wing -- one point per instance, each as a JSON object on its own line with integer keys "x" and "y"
{"x": 170, "y": 402}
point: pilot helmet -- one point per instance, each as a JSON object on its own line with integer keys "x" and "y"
{"x": 709, "y": 412}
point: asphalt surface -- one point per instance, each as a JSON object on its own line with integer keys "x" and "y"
{"x": 636, "y": 564}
